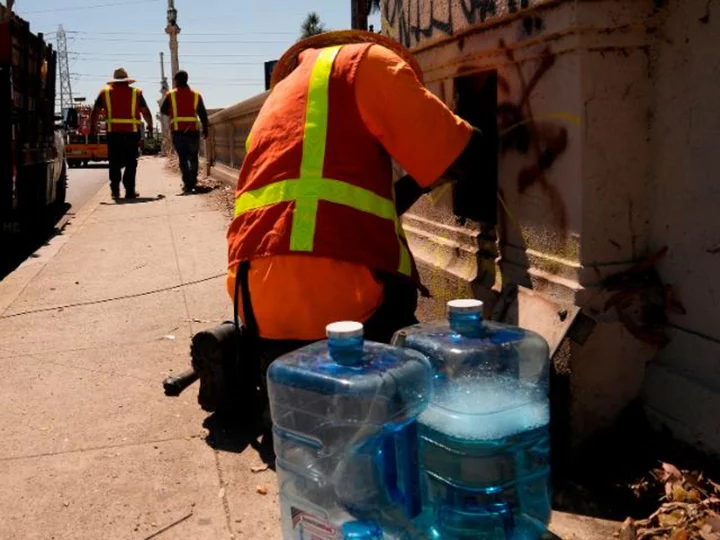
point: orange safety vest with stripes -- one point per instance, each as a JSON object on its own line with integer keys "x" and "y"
{"x": 314, "y": 179}
{"x": 121, "y": 104}
{"x": 183, "y": 109}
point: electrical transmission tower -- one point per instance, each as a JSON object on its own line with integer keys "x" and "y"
{"x": 66, "y": 99}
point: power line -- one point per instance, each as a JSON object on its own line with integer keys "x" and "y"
{"x": 236, "y": 34}
{"x": 92, "y": 6}
{"x": 243, "y": 79}
{"x": 185, "y": 42}
{"x": 145, "y": 55}
{"x": 197, "y": 63}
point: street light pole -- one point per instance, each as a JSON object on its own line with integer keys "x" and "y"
{"x": 172, "y": 30}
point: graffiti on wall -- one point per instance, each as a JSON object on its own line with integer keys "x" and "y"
{"x": 413, "y": 21}
{"x": 521, "y": 131}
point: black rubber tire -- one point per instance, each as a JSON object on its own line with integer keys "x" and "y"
{"x": 61, "y": 188}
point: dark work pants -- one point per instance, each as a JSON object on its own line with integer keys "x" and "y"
{"x": 187, "y": 146}
{"x": 123, "y": 151}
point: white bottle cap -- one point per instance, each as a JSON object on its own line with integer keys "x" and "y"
{"x": 465, "y": 305}
{"x": 344, "y": 330}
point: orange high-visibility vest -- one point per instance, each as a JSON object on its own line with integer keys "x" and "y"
{"x": 314, "y": 179}
{"x": 183, "y": 109}
{"x": 121, "y": 104}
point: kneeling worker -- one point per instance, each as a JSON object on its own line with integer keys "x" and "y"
{"x": 316, "y": 236}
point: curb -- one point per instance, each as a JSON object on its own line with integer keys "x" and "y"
{"x": 15, "y": 283}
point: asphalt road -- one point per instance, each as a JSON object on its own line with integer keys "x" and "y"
{"x": 84, "y": 183}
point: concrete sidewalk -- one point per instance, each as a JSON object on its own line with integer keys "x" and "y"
{"x": 90, "y": 447}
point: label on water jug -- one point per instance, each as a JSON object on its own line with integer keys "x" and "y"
{"x": 308, "y": 526}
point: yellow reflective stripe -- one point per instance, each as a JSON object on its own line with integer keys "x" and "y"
{"x": 173, "y": 102}
{"x": 177, "y": 119}
{"x": 108, "y": 107}
{"x": 302, "y": 236}
{"x": 316, "y": 116}
{"x": 133, "y": 105}
{"x": 133, "y": 108}
{"x": 316, "y": 189}
{"x": 312, "y": 187}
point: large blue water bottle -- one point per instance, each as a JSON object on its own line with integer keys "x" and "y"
{"x": 344, "y": 417}
{"x": 485, "y": 435}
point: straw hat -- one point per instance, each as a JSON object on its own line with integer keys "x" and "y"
{"x": 289, "y": 61}
{"x": 120, "y": 75}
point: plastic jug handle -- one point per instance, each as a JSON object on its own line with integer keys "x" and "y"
{"x": 382, "y": 472}
{"x": 401, "y": 468}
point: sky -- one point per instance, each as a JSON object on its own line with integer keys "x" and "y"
{"x": 223, "y": 43}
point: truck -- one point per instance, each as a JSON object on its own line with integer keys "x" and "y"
{"x": 82, "y": 147}
{"x": 33, "y": 169}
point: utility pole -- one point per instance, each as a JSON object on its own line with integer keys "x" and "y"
{"x": 66, "y": 99}
{"x": 172, "y": 30}
{"x": 163, "y": 79}
{"x": 359, "y": 14}
{"x": 162, "y": 119}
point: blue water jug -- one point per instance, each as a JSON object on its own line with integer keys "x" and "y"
{"x": 344, "y": 417}
{"x": 485, "y": 435}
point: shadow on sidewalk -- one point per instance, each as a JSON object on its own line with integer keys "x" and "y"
{"x": 231, "y": 435}
{"x": 197, "y": 190}
{"x": 136, "y": 200}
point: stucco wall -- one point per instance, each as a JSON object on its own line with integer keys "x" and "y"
{"x": 607, "y": 128}
{"x": 684, "y": 381}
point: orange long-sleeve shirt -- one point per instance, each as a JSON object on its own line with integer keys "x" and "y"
{"x": 295, "y": 296}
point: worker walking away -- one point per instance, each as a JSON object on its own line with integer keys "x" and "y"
{"x": 123, "y": 105}
{"x": 316, "y": 236}
{"x": 185, "y": 106}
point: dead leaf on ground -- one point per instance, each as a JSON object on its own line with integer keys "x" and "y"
{"x": 672, "y": 471}
{"x": 259, "y": 468}
{"x": 262, "y": 490}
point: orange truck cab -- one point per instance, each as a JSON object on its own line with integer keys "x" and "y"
{"x": 83, "y": 148}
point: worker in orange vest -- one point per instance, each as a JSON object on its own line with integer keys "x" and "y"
{"x": 316, "y": 236}
{"x": 187, "y": 112}
{"x": 123, "y": 105}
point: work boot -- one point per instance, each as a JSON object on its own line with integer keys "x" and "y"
{"x": 115, "y": 192}
{"x": 132, "y": 195}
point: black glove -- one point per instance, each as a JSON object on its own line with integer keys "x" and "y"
{"x": 475, "y": 173}
{"x": 407, "y": 192}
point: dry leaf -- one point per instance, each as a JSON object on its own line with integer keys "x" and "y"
{"x": 260, "y": 468}
{"x": 671, "y": 519}
{"x": 628, "y": 531}
{"x": 714, "y": 521}
{"x": 679, "y": 534}
{"x": 678, "y": 493}
{"x": 262, "y": 490}
{"x": 672, "y": 471}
